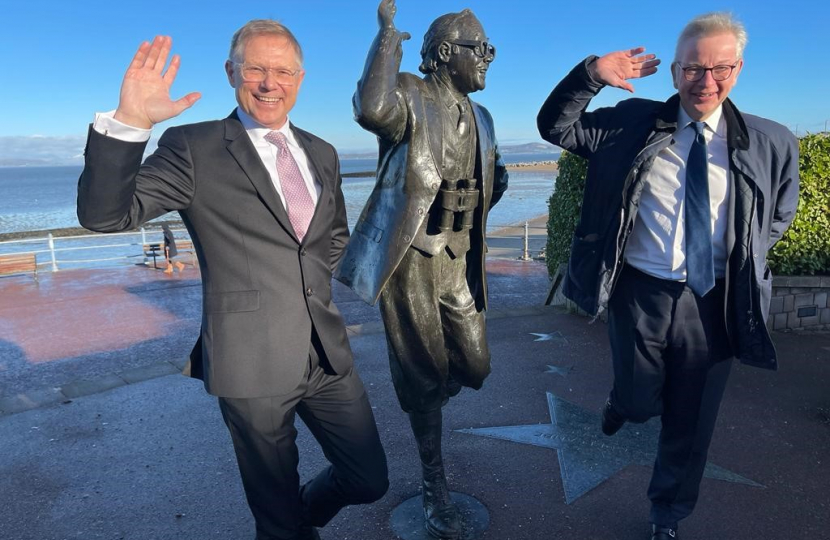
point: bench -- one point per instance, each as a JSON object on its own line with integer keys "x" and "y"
{"x": 18, "y": 263}
{"x": 156, "y": 249}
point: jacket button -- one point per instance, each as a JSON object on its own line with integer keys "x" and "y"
{"x": 434, "y": 186}
{"x": 407, "y": 238}
{"x": 309, "y": 291}
{"x": 303, "y": 252}
{"x": 420, "y": 211}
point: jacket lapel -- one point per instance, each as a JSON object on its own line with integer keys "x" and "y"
{"x": 240, "y": 147}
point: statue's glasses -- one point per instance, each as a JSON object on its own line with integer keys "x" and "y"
{"x": 252, "y": 73}
{"x": 719, "y": 73}
{"x": 482, "y": 48}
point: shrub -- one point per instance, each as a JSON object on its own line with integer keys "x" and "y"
{"x": 805, "y": 247}
{"x": 563, "y": 209}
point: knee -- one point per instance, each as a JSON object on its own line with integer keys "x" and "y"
{"x": 370, "y": 488}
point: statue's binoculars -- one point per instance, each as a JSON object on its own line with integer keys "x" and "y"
{"x": 458, "y": 199}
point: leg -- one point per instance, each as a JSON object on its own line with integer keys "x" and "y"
{"x": 338, "y": 414}
{"x": 441, "y": 516}
{"x": 419, "y": 360}
{"x": 463, "y": 326}
{"x": 264, "y": 437}
{"x": 639, "y": 318}
{"x": 697, "y": 371}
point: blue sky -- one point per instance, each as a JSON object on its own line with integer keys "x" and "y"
{"x": 69, "y": 57}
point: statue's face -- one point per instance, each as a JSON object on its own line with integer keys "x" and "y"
{"x": 470, "y": 58}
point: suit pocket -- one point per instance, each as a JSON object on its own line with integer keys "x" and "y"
{"x": 370, "y": 231}
{"x": 232, "y": 302}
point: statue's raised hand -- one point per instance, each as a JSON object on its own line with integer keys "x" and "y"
{"x": 614, "y": 69}
{"x": 386, "y": 16}
{"x": 145, "y": 91}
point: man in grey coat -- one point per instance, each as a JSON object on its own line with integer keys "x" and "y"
{"x": 262, "y": 201}
{"x": 683, "y": 201}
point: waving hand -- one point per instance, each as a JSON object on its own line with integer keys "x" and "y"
{"x": 145, "y": 91}
{"x": 614, "y": 69}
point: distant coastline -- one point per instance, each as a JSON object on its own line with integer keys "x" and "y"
{"x": 540, "y": 166}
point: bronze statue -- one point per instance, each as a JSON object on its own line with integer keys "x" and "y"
{"x": 418, "y": 246}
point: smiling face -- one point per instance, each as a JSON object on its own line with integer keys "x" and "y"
{"x": 467, "y": 69}
{"x": 267, "y": 102}
{"x": 701, "y": 98}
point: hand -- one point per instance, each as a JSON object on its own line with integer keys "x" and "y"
{"x": 386, "y": 15}
{"x": 145, "y": 91}
{"x": 615, "y": 68}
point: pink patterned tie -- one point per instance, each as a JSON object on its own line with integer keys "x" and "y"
{"x": 297, "y": 198}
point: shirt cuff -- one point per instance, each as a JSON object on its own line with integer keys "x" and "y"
{"x": 106, "y": 124}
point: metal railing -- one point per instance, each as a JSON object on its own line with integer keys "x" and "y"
{"x": 52, "y": 248}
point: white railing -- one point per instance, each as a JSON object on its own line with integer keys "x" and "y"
{"x": 51, "y": 248}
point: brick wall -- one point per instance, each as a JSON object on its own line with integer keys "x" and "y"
{"x": 800, "y": 302}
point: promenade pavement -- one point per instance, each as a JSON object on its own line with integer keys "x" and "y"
{"x": 101, "y": 438}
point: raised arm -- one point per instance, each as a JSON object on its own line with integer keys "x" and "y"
{"x": 562, "y": 119}
{"x": 145, "y": 91}
{"x": 377, "y": 102}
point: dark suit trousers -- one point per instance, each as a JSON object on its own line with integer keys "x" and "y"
{"x": 672, "y": 359}
{"x": 337, "y": 412}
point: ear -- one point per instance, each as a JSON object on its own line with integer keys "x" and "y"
{"x": 737, "y": 70}
{"x": 444, "y": 51}
{"x": 676, "y": 73}
{"x": 229, "y": 72}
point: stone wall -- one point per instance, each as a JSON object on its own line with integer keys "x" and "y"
{"x": 800, "y": 302}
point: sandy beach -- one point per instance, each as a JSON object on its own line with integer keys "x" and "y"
{"x": 541, "y": 166}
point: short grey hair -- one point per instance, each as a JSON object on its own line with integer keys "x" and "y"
{"x": 258, "y": 27}
{"x": 714, "y": 23}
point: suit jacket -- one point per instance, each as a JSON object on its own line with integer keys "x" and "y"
{"x": 404, "y": 111}
{"x": 263, "y": 290}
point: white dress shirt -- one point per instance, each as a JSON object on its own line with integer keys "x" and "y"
{"x": 106, "y": 124}
{"x": 657, "y": 243}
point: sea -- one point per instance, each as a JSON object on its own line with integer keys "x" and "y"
{"x": 44, "y": 198}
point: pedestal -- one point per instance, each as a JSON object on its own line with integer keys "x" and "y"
{"x": 407, "y": 520}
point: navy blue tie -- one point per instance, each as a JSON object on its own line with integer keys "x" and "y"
{"x": 700, "y": 266}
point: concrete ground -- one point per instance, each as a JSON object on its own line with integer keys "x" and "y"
{"x": 101, "y": 438}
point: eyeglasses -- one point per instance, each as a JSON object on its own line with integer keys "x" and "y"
{"x": 719, "y": 73}
{"x": 252, "y": 73}
{"x": 482, "y": 48}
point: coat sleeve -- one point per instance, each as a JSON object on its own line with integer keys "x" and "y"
{"x": 378, "y": 102}
{"x": 563, "y": 119}
{"x": 117, "y": 193}
{"x": 340, "y": 226}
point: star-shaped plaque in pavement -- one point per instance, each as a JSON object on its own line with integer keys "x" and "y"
{"x": 553, "y": 336}
{"x": 556, "y": 370}
{"x": 586, "y": 456}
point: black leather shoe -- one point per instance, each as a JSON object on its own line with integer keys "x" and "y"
{"x": 663, "y": 533}
{"x": 611, "y": 419}
{"x": 307, "y": 532}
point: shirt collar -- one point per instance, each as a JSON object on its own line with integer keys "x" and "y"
{"x": 257, "y": 131}
{"x": 716, "y": 122}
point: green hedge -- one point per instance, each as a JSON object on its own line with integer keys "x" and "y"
{"x": 804, "y": 249}
{"x": 563, "y": 209}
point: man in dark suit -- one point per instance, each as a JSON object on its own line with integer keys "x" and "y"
{"x": 683, "y": 201}
{"x": 419, "y": 245}
{"x": 262, "y": 201}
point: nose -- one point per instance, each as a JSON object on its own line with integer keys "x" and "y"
{"x": 270, "y": 81}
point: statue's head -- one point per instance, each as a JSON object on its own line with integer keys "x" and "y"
{"x": 457, "y": 43}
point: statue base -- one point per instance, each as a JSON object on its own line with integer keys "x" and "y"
{"x": 407, "y": 520}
